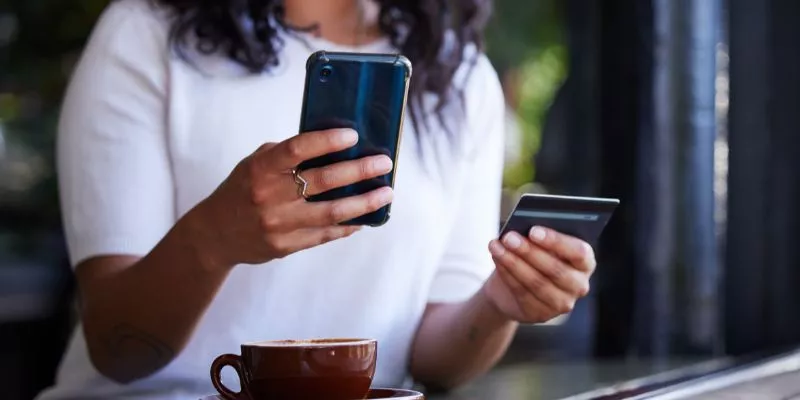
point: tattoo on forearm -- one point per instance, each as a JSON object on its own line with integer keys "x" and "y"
{"x": 139, "y": 349}
{"x": 473, "y": 333}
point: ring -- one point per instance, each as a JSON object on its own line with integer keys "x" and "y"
{"x": 302, "y": 184}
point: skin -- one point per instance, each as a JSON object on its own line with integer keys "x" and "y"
{"x": 256, "y": 215}
{"x": 536, "y": 279}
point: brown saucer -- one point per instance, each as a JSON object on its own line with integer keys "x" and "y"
{"x": 374, "y": 394}
{"x": 394, "y": 394}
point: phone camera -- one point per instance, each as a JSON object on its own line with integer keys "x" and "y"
{"x": 325, "y": 73}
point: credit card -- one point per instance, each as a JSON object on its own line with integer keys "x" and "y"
{"x": 582, "y": 217}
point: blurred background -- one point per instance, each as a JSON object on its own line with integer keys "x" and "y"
{"x": 686, "y": 110}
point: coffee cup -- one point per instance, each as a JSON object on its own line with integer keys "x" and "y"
{"x": 331, "y": 369}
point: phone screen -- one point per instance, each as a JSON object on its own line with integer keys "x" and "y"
{"x": 581, "y": 217}
{"x": 366, "y": 93}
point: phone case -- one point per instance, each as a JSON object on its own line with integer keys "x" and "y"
{"x": 365, "y": 92}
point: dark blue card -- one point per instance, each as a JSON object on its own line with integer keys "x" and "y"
{"x": 581, "y": 217}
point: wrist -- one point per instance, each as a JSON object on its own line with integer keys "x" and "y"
{"x": 484, "y": 296}
{"x": 198, "y": 237}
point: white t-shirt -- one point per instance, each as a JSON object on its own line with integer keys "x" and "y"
{"x": 144, "y": 136}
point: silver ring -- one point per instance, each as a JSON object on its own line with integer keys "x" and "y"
{"x": 302, "y": 184}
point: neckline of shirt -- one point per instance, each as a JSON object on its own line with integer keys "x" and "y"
{"x": 315, "y": 43}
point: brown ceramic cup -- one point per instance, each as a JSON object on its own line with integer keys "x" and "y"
{"x": 331, "y": 369}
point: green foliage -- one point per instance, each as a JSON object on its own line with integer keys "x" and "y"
{"x": 541, "y": 78}
{"x": 9, "y": 106}
{"x": 527, "y": 36}
{"x": 520, "y": 29}
{"x": 47, "y": 37}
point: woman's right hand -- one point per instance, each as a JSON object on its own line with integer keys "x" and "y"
{"x": 257, "y": 214}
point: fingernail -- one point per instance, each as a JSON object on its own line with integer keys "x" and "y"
{"x": 496, "y": 248}
{"x": 513, "y": 240}
{"x": 538, "y": 234}
{"x": 383, "y": 164}
{"x": 385, "y": 195}
{"x": 350, "y": 231}
{"x": 586, "y": 248}
{"x": 347, "y": 136}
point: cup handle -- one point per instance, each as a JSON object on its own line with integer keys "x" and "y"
{"x": 227, "y": 360}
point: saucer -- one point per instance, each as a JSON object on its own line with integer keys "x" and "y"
{"x": 381, "y": 393}
{"x": 374, "y": 394}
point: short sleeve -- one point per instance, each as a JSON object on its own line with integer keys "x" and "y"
{"x": 466, "y": 263}
{"x": 113, "y": 166}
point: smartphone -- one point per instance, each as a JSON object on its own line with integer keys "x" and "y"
{"x": 364, "y": 92}
{"x": 582, "y": 217}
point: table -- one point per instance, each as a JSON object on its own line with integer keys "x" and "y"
{"x": 557, "y": 380}
{"x": 773, "y": 376}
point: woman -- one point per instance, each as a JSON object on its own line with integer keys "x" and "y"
{"x": 189, "y": 236}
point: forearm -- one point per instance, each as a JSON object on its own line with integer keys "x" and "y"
{"x": 458, "y": 342}
{"x": 139, "y": 317}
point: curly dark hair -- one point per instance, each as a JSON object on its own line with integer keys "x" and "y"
{"x": 420, "y": 29}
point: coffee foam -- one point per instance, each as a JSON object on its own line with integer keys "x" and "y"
{"x": 309, "y": 342}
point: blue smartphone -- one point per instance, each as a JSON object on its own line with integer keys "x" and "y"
{"x": 582, "y": 217}
{"x": 364, "y": 92}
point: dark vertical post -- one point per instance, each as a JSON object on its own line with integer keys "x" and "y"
{"x": 653, "y": 223}
{"x": 763, "y": 258}
{"x": 784, "y": 170}
{"x": 747, "y": 252}
{"x": 567, "y": 161}
{"x": 657, "y": 130}
{"x": 624, "y": 111}
{"x": 685, "y": 93}
{"x": 580, "y": 115}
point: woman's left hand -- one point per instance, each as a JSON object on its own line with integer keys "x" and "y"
{"x": 539, "y": 277}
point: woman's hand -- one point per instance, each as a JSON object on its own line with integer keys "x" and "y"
{"x": 539, "y": 277}
{"x": 258, "y": 214}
